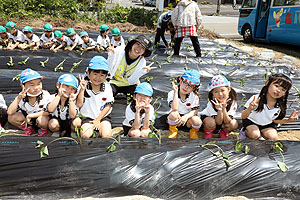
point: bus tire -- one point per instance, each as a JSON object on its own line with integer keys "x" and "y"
{"x": 247, "y": 34}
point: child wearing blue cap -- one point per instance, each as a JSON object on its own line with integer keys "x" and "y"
{"x": 139, "y": 113}
{"x": 63, "y": 108}
{"x": 220, "y": 110}
{"x": 15, "y": 38}
{"x": 184, "y": 103}
{"x": 31, "y": 41}
{"x": 95, "y": 99}
{"x": 88, "y": 43}
{"x": 263, "y": 112}
{"x": 47, "y": 38}
{"x": 103, "y": 41}
{"x": 74, "y": 41}
{"x": 27, "y": 111}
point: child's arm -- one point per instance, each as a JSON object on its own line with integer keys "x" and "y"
{"x": 147, "y": 117}
{"x": 12, "y": 46}
{"x": 136, "y": 123}
{"x": 293, "y": 117}
{"x": 73, "y": 47}
{"x": 253, "y": 105}
{"x": 72, "y": 106}
{"x": 101, "y": 115}
{"x": 35, "y": 115}
{"x": 80, "y": 96}
{"x": 174, "y": 104}
{"x": 60, "y": 46}
{"x": 187, "y": 116}
{"x": 12, "y": 109}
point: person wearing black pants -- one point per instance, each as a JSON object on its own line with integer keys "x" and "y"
{"x": 195, "y": 42}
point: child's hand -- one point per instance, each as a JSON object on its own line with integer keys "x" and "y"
{"x": 27, "y": 121}
{"x": 219, "y": 106}
{"x": 182, "y": 120}
{"x": 23, "y": 93}
{"x": 60, "y": 90}
{"x": 148, "y": 67}
{"x": 174, "y": 87}
{"x": 253, "y": 105}
{"x": 83, "y": 83}
{"x": 139, "y": 107}
{"x": 97, "y": 124}
{"x": 73, "y": 96}
{"x": 147, "y": 109}
{"x": 294, "y": 117}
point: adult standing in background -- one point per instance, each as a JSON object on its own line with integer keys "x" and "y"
{"x": 187, "y": 19}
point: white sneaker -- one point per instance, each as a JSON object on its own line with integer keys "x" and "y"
{"x": 2, "y": 130}
{"x": 55, "y": 134}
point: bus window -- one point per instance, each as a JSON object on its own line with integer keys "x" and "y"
{"x": 286, "y": 2}
{"x": 264, "y": 8}
{"x": 249, "y": 4}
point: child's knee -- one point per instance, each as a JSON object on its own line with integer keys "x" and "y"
{"x": 174, "y": 116}
{"x": 196, "y": 121}
{"x": 145, "y": 132}
{"x": 42, "y": 121}
{"x": 76, "y": 123}
{"x": 209, "y": 123}
{"x": 16, "y": 118}
{"x": 252, "y": 133}
{"x": 134, "y": 133}
{"x": 53, "y": 125}
{"x": 86, "y": 131}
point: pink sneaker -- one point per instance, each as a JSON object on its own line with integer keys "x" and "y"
{"x": 208, "y": 133}
{"x": 28, "y": 131}
{"x": 42, "y": 132}
{"x": 223, "y": 133}
{"x": 22, "y": 127}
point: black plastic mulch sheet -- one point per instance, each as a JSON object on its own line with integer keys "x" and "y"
{"x": 178, "y": 169}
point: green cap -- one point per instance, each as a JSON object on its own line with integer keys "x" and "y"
{"x": 57, "y": 34}
{"x": 83, "y": 33}
{"x": 10, "y": 25}
{"x": 115, "y": 31}
{"x": 27, "y": 29}
{"x": 104, "y": 27}
{"x": 2, "y": 29}
{"x": 48, "y": 27}
{"x": 71, "y": 31}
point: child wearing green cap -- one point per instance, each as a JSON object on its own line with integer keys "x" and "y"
{"x": 139, "y": 113}
{"x": 117, "y": 39}
{"x": 103, "y": 41}
{"x": 47, "y": 38}
{"x": 16, "y": 37}
{"x": 4, "y": 35}
{"x": 32, "y": 41}
{"x": 60, "y": 41}
{"x": 88, "y": 43}
{"x": 74, "y": 41}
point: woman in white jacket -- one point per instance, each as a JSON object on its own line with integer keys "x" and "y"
{"x": 187, "y": 19}
{"x": 127, "y": 65}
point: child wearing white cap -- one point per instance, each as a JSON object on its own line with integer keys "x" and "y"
{"x": 139, "y": 113}
{"x": 28, "y": 110}
{"x": 220, "y": 110}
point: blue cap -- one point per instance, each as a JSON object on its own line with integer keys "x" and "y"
{"x": 68, "y": 79}
{"x": 29, "y": 75}
{"x": 218, "y": 81}
{"x": 98, "y": 63}
{"x": 145, "y": 89}
{"x": 192, "y": 77}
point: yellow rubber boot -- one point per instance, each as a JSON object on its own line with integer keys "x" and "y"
{"x": 194, "y": 133}
{"x": 173, "y": 131}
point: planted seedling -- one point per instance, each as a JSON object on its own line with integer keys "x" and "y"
{"x": 167, "y": 60}
{"x": 59, "y": 66}
{"x": 44, "y": 62}
{"x": 148, "y": 79}
{"x": 44, "y": 150}
{"x": 241, "y": 81}
{"x": 205, "y": 53}
{"x": 239, "y": 146}
{"x": 242, "y": 100}
{"x": 112, "y": 147}
{"x": 152, "y": 59}
{"x": 16, "y": 78}
{"x": 236, "y": 54}
{"x": 129, "y": 98}
{"x": 156, "y": 133}
{"x": 10, "y": 63}
{"x": 219, "y": 153}
{"x": 278, "y": 147}
{"x": 23, "y": 62}
{"x": 75, "y": 66}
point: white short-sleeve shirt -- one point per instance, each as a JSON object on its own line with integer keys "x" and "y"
{"x": 38, "y": 106}
{"x": 77, "y": 40}
{"x": 184, "y": 107}
{"x": 210, "y": 111}
{"x": 91, "y": 43}
{"x": 121, "y": 42}
{"x": 65, "y": 40}
{"x": 34, "y": 39}
{"x": 266, "y": 116}
{"x": 45, "y": 39}
{"x": 103, "y": 41}
{"x": 93, "y": 105}
{"x": 2, "y": 102}
{"x": 20, "y": 37}
{"x": 62, "y": 114}
{"x": 130, "y": 116}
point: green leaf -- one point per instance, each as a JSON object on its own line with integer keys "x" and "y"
{"x": 217, "y": 153}
{"x": 227, "y": 162}
{"x": 39, "y": 144}
{"x": 111, "y": 148}
{"x": 238, "y": 147}
{"x": 282, "y": 166}
{"x": 44, "y": 152}
{"x": 247, "y": 149}
{"x": 225, "y": 156}
{"x": 150, "y": 135}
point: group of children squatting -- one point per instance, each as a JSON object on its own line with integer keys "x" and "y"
{"x": 12, "y": 38}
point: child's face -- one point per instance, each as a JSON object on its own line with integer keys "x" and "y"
{"x": 97, "y": 78}
{"x": 276, "y": 91}
{"x": 3, "y": 35}
{"x": 116, "y": 37}
{"x": 48, "y": 33}
{"x": 185, "y": 88}
{"x": 12, "y": 30}
{"x": 67, "y": 90}
{"x": 105, "y": 33}
{"x": 35, "y": 86}
{"x": 72, "y": 37}
{"x": 137, "y": 50}
{"x": 28, "y": 34}
{"x": 221, "y": 93}
{"x": 85, "y": 39}
{"x": 60, "y": 39}
{"x": 142, "y": 99}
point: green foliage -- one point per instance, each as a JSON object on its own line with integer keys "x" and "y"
{"x": 11, "y": 62}
{"x": 239, "y": 146}
{"x": 23, "y": 62}
{"x": 282, "y": 166}
{"x": 42, "y": 63}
